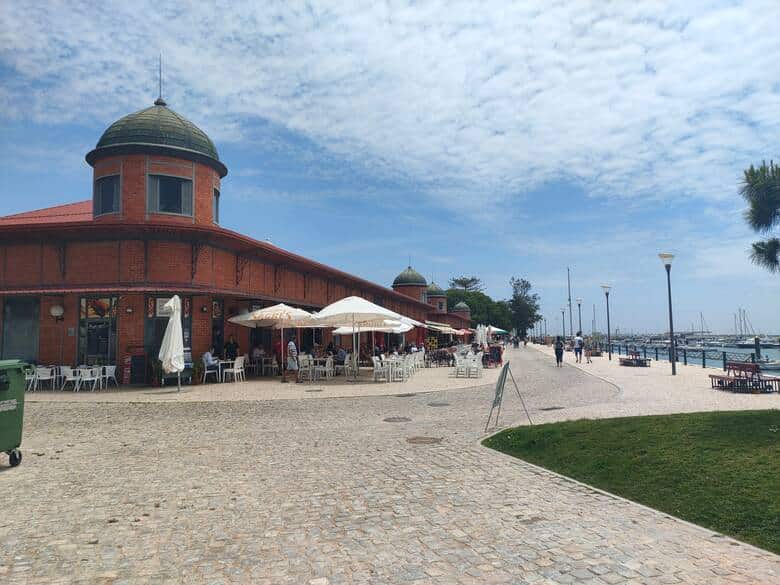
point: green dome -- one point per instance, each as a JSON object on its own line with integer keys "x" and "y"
{"x": 158, "y": 130}
{"x": 434, "y": 290}
{"x": 410, "y": 277}
{"x": 461, "y": 306}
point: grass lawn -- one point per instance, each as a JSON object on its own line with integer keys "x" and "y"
{"x": 716, "y": 469}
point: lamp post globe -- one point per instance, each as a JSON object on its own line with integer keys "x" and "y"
{"x": 606, "y": 288}
{"x": 666, "y": 260}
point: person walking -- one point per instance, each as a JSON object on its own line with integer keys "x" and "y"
{"x": 588, "y": 349}
{"x": 292, "y": 361}
{"x": 558, "y": 352}
{"x": 578, "y": 343}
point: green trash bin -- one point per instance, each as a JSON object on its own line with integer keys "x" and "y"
{"x": 11, "y": 408}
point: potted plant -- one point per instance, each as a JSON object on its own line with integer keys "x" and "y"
{"x": 197, "y": 372}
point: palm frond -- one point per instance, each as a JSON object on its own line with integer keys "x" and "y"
{"x": 761, "y": 189}
{"x": 767, "y": 254}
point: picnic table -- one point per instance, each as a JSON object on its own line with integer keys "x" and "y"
{"x": 744, "y": 377}
{"x": 635, "y": 360}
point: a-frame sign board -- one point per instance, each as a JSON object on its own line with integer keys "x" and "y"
{"x": 499, "y": 396}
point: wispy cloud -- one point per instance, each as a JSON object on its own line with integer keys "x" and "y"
{"x": 661, "y": 99}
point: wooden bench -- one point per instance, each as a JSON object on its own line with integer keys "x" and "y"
{"x": 633, "y": 360}
{"x": 744, "y": 377}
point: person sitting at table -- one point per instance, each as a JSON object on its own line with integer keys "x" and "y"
{"x": 330, "y": 350}
{"x": 209, "y": 359}
{"x": 231, "y": 349}
{"x": 258, "y": 353}
{"x": 341, "y": 356}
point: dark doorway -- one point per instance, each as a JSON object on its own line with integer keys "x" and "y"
{"x": 20, "y": 328}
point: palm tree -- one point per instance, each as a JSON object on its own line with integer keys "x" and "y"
{"x": 761, "y": 190}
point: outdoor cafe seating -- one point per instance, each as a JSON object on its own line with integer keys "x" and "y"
{"x": 54, "y": 377}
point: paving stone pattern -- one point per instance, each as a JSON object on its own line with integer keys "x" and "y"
{"x": 324, "y": 492}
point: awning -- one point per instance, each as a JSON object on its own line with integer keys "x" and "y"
{"x": 441, "y": 328}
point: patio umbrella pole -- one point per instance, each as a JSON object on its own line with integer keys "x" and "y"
{"x": 178, "y": 379}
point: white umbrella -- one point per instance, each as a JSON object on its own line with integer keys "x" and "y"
{"x": 390, "y": 327}
{"x": 356, "y": 313}
{"x": 172, "y": 349}
{"x": 279, "y": 316}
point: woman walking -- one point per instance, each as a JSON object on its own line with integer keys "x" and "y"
{"x": 558, "y": 352}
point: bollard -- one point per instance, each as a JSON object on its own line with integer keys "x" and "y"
{"x": 724, "y": 361}
{"x": 704, "y": 358}
{"x": 644, "y": 352}
{"x": 656, "y": 354}
{"x": 685, "y": 356}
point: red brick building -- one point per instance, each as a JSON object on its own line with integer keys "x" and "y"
{"x": 84, "y": 282}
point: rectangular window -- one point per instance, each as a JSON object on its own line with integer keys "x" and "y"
{"x": 169, "y": 195}
{"x": 215, "y": 210}
{"x": 106, "y": 198}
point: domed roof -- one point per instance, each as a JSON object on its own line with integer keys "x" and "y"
{"x": 461, "y": 306}
{"x": 434, "y": 290}
{"x": 410, "y": 277}
{"x": 158, "y": 130}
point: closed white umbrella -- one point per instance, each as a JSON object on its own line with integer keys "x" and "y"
{"x": 356, "y": 313}
{"x": 172, "y": 349}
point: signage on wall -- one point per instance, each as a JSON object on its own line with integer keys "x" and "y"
{"x": 216, "y": 309}
{"x": 160, "y": 310}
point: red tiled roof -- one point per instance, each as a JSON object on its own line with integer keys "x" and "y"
{"x": 79, "y": 211}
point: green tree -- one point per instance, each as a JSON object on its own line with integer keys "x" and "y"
{"x": 761, "y": 189}
{"x": 523, "y": 306}
{"x": 484, "y": 309}
{"x": 467, "y": 283}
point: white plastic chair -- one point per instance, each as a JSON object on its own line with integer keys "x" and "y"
{"x": 237, "y": 372}
{"x": 273, "y": 367}
{"x": 44, "y": 374}
{"x": 69, "y": 375}
{"x": 325, "y": 369}
{"x": 208, "y": 370}
{"x": 29, "y": 379}
{"x": 460, "y": 365}
{"x": 87, "y": 375}
{"x": 381, "y": 370}
{"x": 109, "y": 375}
{"x": 305, "y": 368}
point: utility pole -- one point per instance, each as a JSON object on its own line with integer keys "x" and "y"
{"x": 571, "y": 319}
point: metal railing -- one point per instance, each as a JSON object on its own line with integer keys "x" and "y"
{"x": 711, "y": 357}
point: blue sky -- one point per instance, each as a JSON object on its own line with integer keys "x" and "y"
{"x": 496, "y": 140}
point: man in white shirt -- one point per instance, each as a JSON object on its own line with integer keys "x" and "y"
{"x": 578, "y": 343}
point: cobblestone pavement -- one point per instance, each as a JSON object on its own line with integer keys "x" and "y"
{"x": 327, "y": 492}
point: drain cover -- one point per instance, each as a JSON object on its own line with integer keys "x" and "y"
{"x": 553, "y": 408}
{"x": 314, "y": 390}
{"x": 438, "y": 404}
{"x": 397, "y": 419}
{"x": 424, "y": 440}
{"x": 406, "y": 395}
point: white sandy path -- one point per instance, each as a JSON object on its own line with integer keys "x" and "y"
{"x": 653, "y": 390}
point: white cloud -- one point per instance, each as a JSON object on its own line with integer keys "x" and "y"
{"x": 653, "y": 99}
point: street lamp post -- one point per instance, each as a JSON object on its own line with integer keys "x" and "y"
{"x": 563, "y": 321}
{"x": 666, "y": 259}
{"x": 606, "y": 288}
{"x": 579, "y": 313}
